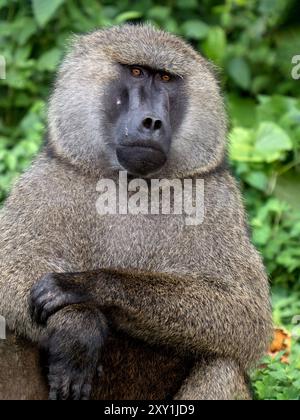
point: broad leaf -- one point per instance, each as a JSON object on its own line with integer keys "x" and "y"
{"x": 272, "y": 141}
{"x": 239, "y": 71}
{"x": 195, "y": 29}
{"x": 43, "y": 10}
{"x": 215, "y": 45}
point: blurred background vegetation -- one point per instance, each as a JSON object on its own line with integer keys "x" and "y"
{"x": 253, "y": 43}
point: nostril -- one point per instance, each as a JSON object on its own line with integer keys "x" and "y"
{"x": 147, "y": 123}
{"x": 151, "y": 124}
{"x": 157, "y": 125}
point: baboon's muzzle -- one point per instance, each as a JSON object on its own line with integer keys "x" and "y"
{"x": 141, "y": 160}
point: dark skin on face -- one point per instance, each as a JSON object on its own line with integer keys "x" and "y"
{"x": 145, "y": 107}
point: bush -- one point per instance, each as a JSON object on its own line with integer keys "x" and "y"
{"x": 253, "y": 42}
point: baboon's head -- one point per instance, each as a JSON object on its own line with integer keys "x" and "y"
{"x": 139, "y": 99}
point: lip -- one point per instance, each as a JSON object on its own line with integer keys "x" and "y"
{"x": 141, "y": 159}
{"x": 142, "y": 145}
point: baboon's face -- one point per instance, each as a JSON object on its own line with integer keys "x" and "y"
{"x": 139, "y": 99}
{"x": 144, "y": 107}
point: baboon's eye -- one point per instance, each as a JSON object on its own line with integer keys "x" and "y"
{"x": 136, "y": 72}
{"x": 166, "y": 77}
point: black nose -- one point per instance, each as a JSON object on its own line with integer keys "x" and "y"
{"x": 152, "y": 124}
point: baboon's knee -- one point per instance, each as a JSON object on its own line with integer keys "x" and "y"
{"x": 215, "y": 379}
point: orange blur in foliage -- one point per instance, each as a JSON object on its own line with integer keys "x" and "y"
{"x": 282, "y": 342}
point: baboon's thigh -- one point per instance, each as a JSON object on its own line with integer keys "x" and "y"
{"x": 131, "y": 371}
{"x": 20, "y": 374}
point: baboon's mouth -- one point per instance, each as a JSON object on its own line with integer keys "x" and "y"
{"x": 141, "y": 160}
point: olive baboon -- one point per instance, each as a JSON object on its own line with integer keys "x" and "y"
{"x": 166, "y": 309}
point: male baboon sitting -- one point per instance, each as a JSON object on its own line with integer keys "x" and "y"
{"x": 166, "y": 308}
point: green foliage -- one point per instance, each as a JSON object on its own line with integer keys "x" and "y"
{"x": 253, "y": 42}
{"x": 275, "y": 380}
{"x": 278, "y": 381}
{"x": 44, "y": 10}
{"x": 265, "y": 152}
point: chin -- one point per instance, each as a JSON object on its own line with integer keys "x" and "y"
{"x": 141, "y": 161}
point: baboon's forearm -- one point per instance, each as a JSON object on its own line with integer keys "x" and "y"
{"x": 145, "y": 305}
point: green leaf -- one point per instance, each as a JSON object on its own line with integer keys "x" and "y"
{"x": 159, "y": 13}
{"x": 242, "y": 111}
{"x": 11, "y": 161}
{"x": 272, "y": 142}
{"x": 171, "y": 25}
{"x": 131, "y": 15}
{"x": 290, "y": 259}
{"x": 258, "y": 180}
{"x": 262, "y": 235}
{"x": 239, "y": 70}
{"x": 215, "y": 45}
{"x": 268, "y": 143}
{"x": 3, "y": 3}
{"x": 241, "y": 144}
{"x": 287, "y": 189}
{"x": 49, "y": 60}
{"x": 44, "y": 10}
{"x": 195, "y": 29}
{"x": 274, "y": 108}
{"x": 27, "y": 28}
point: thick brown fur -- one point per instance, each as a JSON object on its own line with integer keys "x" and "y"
{"x": 193, "y": 301}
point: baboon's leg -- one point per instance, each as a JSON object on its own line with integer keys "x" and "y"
{"x": 20, "y": 373}
{"x": 21, "y": 377}
{"x": 215, "y": 379}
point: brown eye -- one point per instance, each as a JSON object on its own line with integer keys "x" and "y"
{"x": 166, "y": 78}
{"x": 136, "y": 72}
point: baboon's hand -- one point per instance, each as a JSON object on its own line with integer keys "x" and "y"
{"x": 73, "y": 358}
{"x": 49, "y": 295}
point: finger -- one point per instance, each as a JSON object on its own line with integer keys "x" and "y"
{"x": 53, "y": 394}
{"x": 64, "y": 390}
{"x": 48, "y": 309}
{"x": 76, "y": 390}
{"x": 86, "y": 392}
{"x": 54, "y": 384}
{"x": 37, "y": 306}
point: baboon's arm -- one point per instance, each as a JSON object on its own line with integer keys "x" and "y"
{"x": 32, "y": 245}
{"x": 191, "y": 314}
